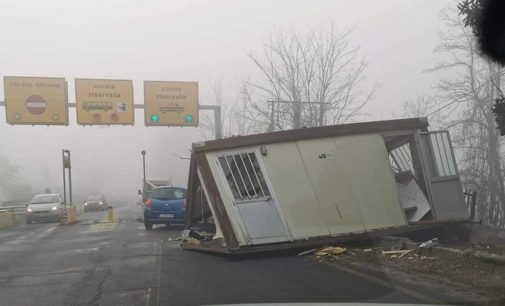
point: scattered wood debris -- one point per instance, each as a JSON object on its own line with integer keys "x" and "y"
{"x": 330, "y": 251}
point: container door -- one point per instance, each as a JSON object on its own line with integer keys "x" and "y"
{"x": 245, "y": 179}
{"x": 330, "y": 179}
{"x": 443, "y": 179}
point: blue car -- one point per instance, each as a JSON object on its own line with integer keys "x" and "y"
{"x": 165, "y": 206}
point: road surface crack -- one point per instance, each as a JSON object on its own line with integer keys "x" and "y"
{"x": 99, "y": 290}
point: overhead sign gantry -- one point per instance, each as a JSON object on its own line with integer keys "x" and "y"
{"x": 35, "y": 101}
{"x": 104, "y": 102}
{"x": 170, "y": 103}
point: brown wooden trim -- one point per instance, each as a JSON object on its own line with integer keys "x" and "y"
{"x": 317, "y": 132}
{"x": 216, "y": 201}
{"x": 191, "y": 189}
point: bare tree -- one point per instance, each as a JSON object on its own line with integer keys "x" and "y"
{"x": 237, "y": 114}
{"x": 217, "y": 97}
{"x": 464, "y": 104}
{"x": 316, "y": 79}
{"x": 424, "y": 106}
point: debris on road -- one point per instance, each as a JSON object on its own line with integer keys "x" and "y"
{"x": 490, "y": 257}
{"x": 330, "y": 251}
{"x": 472, "y": 271}
{"x": 307, "y": 252}
{"x": 429, "y": 243}
{"x": 397, "y": 254}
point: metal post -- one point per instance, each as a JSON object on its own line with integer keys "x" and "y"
{"x": 271, "y": 127}
{"x": 67, "y": 164}
{"x": 144, "y": 164}
{"x": 64, "y": 179}
{"x": 217, "y": 118}
{"x": 472, "y": 205}
{"x": 69, "y": 179}
{"x": 217, "y": 122}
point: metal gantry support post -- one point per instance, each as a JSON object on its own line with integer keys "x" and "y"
{"x": 64, "y": 179}
{"x": 144, "y": 164}
{"x": 217, "y": 118}
{"x": 67, "y": 165}
{"x": 70, "y": 180}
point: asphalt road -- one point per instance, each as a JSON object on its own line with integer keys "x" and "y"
{"x": 92, "y": 263}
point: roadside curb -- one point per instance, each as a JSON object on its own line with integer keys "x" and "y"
{"x": 399, "y": 243}
{"x": 414, "y": 290}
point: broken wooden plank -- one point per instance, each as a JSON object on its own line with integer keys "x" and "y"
{"x": 406, "y": 252}
{"x": 396, "y": 252}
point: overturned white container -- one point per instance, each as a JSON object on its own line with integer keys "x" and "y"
{"x": 313, "y": 185}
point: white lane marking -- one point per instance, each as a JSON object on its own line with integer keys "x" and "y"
{"x": 83, "y": 250}
{"x": 149, "y": 290}
{"x": 6, "y": 235}
{"x": 159, "y": 278}
{"x": 18, "y": 240}
{"x": 47, "y": 232}
{"x": 148, "y": 296}
{"x": 35, "y": 235}
{"x": 62, "y": 271}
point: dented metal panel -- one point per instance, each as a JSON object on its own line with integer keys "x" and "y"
{"x": 293, "y": 191}
{"x": 329, "y": 178}
{"x": 371, "y": 180}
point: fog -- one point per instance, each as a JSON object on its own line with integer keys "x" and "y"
{"x": 183, "y": 41}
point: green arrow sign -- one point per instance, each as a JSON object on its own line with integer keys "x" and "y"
{"x": 188, "y": 118}
{"x": 155, "y": 118}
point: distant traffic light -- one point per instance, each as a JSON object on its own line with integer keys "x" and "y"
{"x": 499, "y": 111}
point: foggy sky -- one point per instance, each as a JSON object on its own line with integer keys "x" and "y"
{"x": 183, "y": 41}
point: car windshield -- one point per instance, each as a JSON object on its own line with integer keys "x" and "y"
{"x": 95, "y": 198}
{"x": 168, "y": 193}
{"x": 42, "y": 199}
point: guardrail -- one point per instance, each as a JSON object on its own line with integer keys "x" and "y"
{"x": 15, "y": 209}
{"x": 11, "y": 215}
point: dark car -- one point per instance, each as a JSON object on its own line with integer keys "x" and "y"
{"x": 165, "y": 206}
{"x": 95, "y": 203}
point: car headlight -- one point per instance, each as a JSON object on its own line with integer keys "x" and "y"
{"x": 101, "y": 203}
{"x": 54, "y": 208}
{"x": 85, "y": 204}
{"x": 29, "y": 210}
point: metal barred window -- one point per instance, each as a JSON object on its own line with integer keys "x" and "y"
{"x": 244, "y": 176}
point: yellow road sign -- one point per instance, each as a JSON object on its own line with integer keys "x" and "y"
{"x": 170, "y": 103}
{"x": 104, "y": 102}
{"x": 36, "y": 101}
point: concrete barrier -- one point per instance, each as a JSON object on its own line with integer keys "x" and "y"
{"x": 19, "y": 218}
{"x": 6, "y": 218}
{"x": 71, "y": 214}
{"x": 110, "y": 214}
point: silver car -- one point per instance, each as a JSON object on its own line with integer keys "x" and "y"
{"x": 95, "y": 203}
{"x": 44, "y": 207}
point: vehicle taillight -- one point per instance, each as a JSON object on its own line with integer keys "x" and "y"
{"x": 148, "y": 203}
